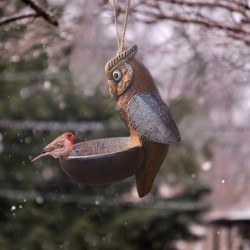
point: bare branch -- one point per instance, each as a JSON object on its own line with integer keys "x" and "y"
{"x": 240, "y": 37}
{"x": 195, "y": 20}
{"x": 210, "y": 24}
{"x": 218, "y": 4}
{"x": 154, "y": 11}
{"x": 231, "y": 6}
{"x": 17, "y": 17}
{"x": 41, "y": 12}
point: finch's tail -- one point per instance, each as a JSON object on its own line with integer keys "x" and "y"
{"x": 39, "y": 156}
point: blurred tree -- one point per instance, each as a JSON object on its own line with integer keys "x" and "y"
{"x": 160, "y": 228}
{"x": 38, "y": 239}
{"x": 82, "y": 235}
{"x": 48, "y": 74}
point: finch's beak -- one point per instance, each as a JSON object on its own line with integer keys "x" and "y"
{"x": 74, "y": 137}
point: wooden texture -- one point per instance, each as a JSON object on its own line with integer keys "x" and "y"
{"x": 152, "y": 119}
{"x": 147, "y": 117}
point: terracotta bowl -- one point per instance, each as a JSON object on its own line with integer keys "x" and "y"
{"x": 103, "y": 161}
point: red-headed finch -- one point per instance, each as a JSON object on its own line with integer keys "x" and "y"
{"x": 60, "y": 147}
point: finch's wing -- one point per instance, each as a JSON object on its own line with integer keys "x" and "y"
{"x": 58, "y": 143}
{"x": 152, "y": 119}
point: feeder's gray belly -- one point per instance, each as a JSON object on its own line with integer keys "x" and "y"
{"x": 152, "y": 120}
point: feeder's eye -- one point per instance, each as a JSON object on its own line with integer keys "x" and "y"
{"x": 117, "y": 75}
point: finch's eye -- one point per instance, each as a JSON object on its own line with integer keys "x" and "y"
{"x": 117, "y": 75}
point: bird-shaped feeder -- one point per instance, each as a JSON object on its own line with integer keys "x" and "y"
{"x": 147, "y": 118}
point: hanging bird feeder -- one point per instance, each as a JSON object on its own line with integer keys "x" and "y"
{"x": 147, "y": 118}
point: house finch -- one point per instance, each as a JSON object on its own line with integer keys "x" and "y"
{"x": 60, "y": 147}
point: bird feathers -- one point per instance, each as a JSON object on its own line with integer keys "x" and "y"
{"x": 60, "y": 147}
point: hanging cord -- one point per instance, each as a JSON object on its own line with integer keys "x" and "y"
{"x": 116, "y": 24}
{"x": 120, "y": 41}
{"x": 124, "y": 27}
